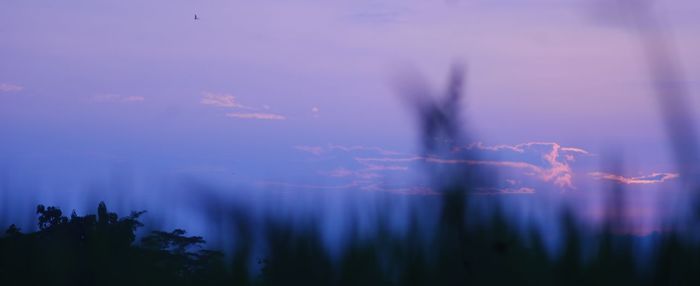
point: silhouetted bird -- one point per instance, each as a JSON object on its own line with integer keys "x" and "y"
{"x": 195, "y": 17}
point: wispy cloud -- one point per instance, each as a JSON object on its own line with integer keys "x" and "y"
{"x": 363, "y": 185}
{"x": 117, "y": 98}
{"x": 367, "y": 176}
{"x": 226, "y": 100}
{"x": 504, "y": 191}
{"x": 411, "y": 191}
{"x": 654, "y": 178}
{"x": 521, "y": 148}
{"x": 260, "y": 116}
{"x": 339, "y": 173}
{"x": 320, "y": 150}
{"x": 306, "y": 186}
{"x": 133, "y": 98}
{"x": 558, "y": 173}
{"x": 386, "y": 168}
{"x": 8, "y": 87}
{"x": 547, "y": 162}
{"x": 221, "y": 100}
{"x": 556, "y": 169}
{"x": 315, "y": 150}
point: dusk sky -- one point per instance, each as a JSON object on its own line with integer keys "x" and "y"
{"x": 302, "y": 95}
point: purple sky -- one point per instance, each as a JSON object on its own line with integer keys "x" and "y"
{"x": 299, "y": 94}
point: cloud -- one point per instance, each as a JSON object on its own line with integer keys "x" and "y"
{"x": 320, "y": 150}
{"x": 363, "y": 148}
{"x": 366, "y": 173}
{"x": 315, "y": 150}
{"x": 260, "y": 116}
{"x": 8, "y": 87}
{"x": 387, "y": 168}
{"x": 133, "y": 98}
{"x": 523, "y": 164}
{"x": 413, "y": 191}
{"x": 504, "y": 191}
{"x": 117, "y": 98}
{"x": 229, "y": 101}
{"x": 556, "y": 158}
{"x": 654, "y": 178}
{"x": 548, "y": 165}
{"x": 307, "y": 186}
{"x": 363, "y": 185}
{"x": 367, "y": 176}
{"x": 558, "y": 173}
{"x": 221, "y": 100}
{"x": 521, "y": 148}
{"x": 339, "y": 172}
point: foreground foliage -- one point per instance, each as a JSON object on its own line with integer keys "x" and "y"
{"x": 102, "y": 250}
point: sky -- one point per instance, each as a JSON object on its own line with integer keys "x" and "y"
{"x": 128, "y": 99}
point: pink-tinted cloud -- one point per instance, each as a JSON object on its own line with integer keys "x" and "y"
{"x": 560, "y": 173}
{"x": 521, "y": 148}
{"x": 8, "y": 87}
{"x": 557, "y": 171}
{"x": 551, "y": 167}
{"x": 654, "y": 178}
{"x": 220, "y": 100}
{"x": 229, "y": 101}
{"x": 260, "y": 116}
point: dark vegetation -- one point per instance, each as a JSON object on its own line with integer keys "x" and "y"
{"x": 102, "y": 249}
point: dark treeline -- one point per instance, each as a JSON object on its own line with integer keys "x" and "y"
{"x": 102, "y": 249}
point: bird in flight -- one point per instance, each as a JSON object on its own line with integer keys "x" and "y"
{"x": 195, "y": 17}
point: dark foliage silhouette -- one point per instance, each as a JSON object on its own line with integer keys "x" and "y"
{"x": 100, "y": 250}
